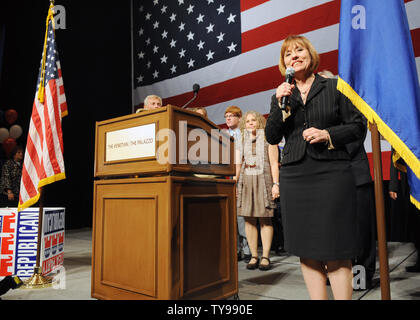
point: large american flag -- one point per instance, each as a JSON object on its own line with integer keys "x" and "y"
{"x": 44, "y": 162}
{"x": 231, "y": 48}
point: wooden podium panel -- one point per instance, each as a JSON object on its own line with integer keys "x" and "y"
{"x": 142, "y": 252}
{"x": 176, "y": 147}
{"x": 164, "y": 238}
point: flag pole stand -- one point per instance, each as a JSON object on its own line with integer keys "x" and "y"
{"x": 380, "y": 213}
{"x": 38, "y": 281}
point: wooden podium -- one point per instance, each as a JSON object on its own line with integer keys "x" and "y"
{"x": 160, "y": 231}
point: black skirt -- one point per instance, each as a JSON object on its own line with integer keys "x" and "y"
{"x": 318, "y": 206}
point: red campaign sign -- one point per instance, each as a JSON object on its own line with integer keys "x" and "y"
{"x": 7, "y": 240}
{"x": 52, "y": 263}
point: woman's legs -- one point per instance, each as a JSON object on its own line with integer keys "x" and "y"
{"x": 340, "y": 275}
{"x": 251, "y": 232}
{"x": 266, "y": 227}
{"x": 341, "y": 278}
{"x": 315, "y": 278}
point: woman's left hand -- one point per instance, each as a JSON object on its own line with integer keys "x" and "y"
{"x": 314, "y": 135}
{"x": 275, "y": 191}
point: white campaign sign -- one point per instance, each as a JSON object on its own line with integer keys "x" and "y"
{"x": 131, "y": 143}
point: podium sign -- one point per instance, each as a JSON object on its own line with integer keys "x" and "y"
{"x": 131, "y": 143}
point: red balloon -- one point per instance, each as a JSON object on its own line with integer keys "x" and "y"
{"x": 8, "y": 145}
{"x": 11, "y": 116}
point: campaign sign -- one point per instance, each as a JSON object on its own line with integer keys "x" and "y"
{"x": 26, "y": 242}
{"x": 8, "y": 218}
{"x": 52, "y": 252}
{"x": 19, "y": 240}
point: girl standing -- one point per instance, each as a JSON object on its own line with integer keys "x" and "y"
{"x": 257, "y": 177}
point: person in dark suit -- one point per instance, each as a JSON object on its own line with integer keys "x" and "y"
{"x": 365, "y": 205}
{"x": 278, "y": 239}
{"x": 317, "y": 189}
{"x": 365, "y": 208}
{"x": 401, "y": 189}
{"x": 11, "y": 174}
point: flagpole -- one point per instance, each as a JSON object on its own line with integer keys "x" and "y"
{"x": 38, "y": 281}
{"x": 380, "y": 213}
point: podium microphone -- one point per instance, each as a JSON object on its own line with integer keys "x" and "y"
{"x": 290, "y": 74}
{"x": 196, "y": 87}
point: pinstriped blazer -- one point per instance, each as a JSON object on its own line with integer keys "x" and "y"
{"x": 325, "y": 108}
{"x": 359, "y": 160}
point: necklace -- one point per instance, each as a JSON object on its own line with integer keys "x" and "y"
{"x": 304, "y": 92}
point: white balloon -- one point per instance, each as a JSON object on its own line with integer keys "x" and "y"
{"x": 15, "y": 131}
{"x": 4, "y": 134}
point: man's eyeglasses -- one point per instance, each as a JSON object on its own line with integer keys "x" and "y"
{"x": 230, "y": 116}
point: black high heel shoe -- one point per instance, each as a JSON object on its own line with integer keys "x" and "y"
{"x": 252, "y": 266}
{"x": 265, "y": 267}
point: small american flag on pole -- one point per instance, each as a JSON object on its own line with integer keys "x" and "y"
{"x": 44, "y": 162}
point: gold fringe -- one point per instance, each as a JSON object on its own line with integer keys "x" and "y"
{"x": 395, "y": 158}
{"x": 415, "y": 202}
{"x": 42, "y": 183}
{"x": 399, "y": 146}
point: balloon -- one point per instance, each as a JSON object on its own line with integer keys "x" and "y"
{"x": 4, "y": 134}
{"x": 8, "y": 145}
{"x": 11, "y": 116}
{"x": 15, "y": 131}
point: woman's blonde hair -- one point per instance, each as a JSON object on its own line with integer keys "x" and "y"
{"x": 304, "y": 42}
{"x": 260, "y": 120}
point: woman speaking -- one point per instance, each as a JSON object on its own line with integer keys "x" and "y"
{"x": 317, "y": 191}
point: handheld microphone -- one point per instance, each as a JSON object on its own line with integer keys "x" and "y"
{"x": 196, "y": 87}
{"x": 290, "y": 74}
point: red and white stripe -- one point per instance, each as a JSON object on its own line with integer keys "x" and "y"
{"x": 44, "y": 162}
{"x": 61, "y": 95}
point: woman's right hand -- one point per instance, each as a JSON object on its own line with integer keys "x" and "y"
{"x": 285, "y": 89}
{"x": 393, "y": 195}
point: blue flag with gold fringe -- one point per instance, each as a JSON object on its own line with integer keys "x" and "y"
{"x": 377, "y": 72}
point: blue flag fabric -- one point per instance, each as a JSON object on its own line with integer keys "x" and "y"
{"x": 377, "y": 72}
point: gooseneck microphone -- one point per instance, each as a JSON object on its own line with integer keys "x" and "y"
{"x": 196, "y": 87}
{"x": 290, "y": 74}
